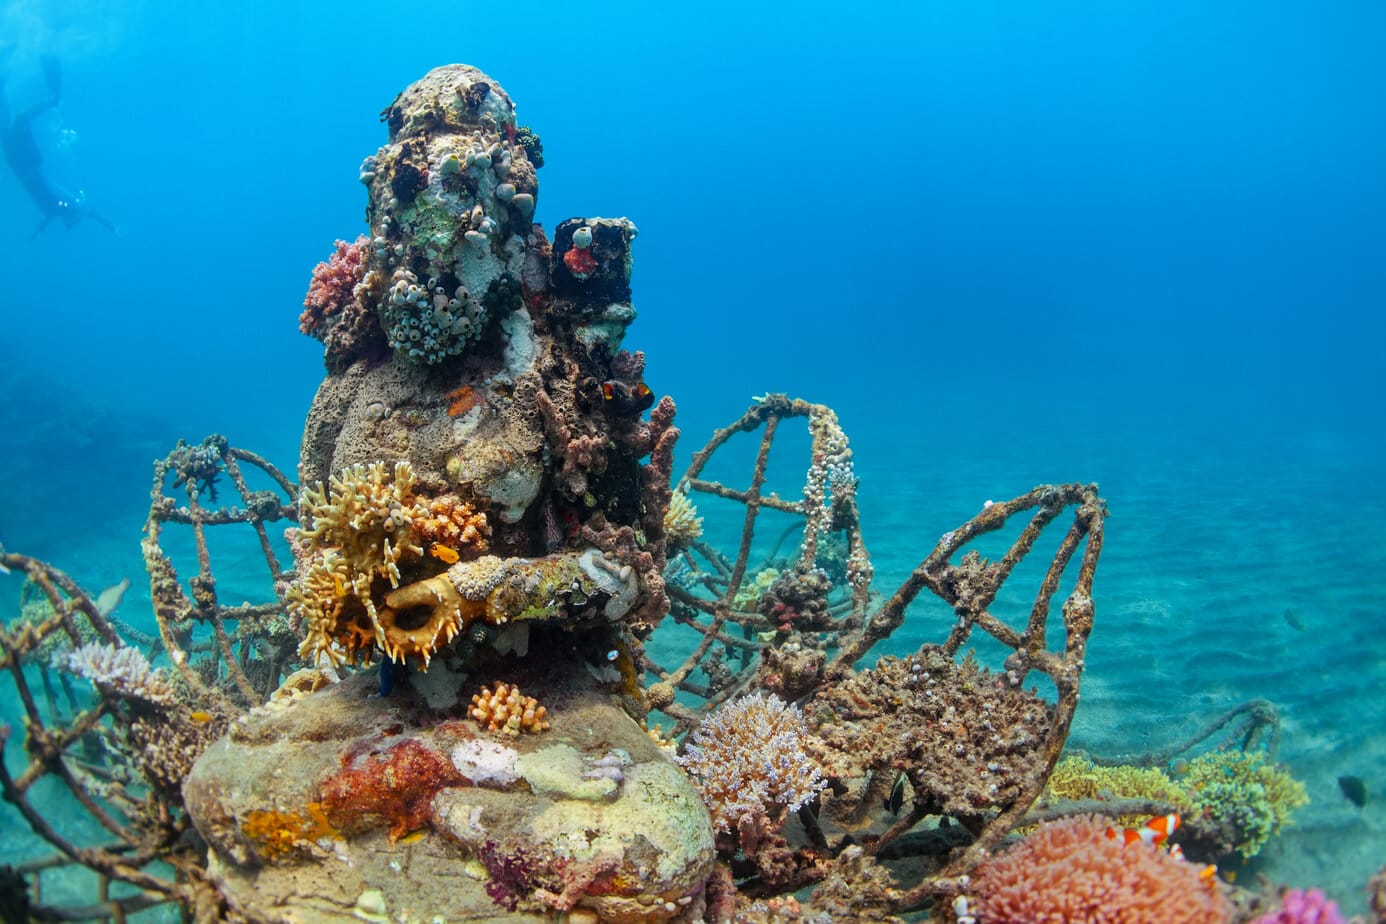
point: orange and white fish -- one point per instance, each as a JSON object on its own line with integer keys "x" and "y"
{"x": 1154, "y": 832}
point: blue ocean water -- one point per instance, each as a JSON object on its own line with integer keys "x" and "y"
{"x": 1137, "y": 244}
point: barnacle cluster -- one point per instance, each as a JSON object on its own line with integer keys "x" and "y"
{"x": 508, "y": 710}
{"x": 966, "y": 739}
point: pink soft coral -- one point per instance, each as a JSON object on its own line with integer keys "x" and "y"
{"x": 1300, "y": 907}
{"x": 333, "y": 286}
{"x": 1070, "y": 871}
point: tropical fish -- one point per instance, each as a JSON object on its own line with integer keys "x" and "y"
{"x": 1154, "y": 832}
{"x": 1293, "y": 619}
{"x": 444, "y": 553}
{"x": 627, "y": 399}
{"x": 200, "y": 717}
{"x": 897, "y": 796}
{"x": 1354, "y": 788}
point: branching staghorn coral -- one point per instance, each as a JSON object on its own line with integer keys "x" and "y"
{"x": 357, "y": 529}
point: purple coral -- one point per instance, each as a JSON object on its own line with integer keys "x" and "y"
{"x": 1300, "y": 907}
{"x": 511, "y": 875}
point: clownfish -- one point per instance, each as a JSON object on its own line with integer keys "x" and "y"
{"x": 1153, "y": 832}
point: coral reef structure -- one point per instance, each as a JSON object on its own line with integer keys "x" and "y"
{"x": 484, "y": 497}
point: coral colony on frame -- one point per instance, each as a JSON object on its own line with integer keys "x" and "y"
{"x": 505, "y": 676}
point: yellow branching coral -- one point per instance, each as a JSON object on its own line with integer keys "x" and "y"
{"x": 1240, "y": 792}
{"x": 508, "y": 710}
{"x": 1078, "y": 778}
{"x": 357, "y": 529}
{"x": 369, "y": 515}
{"x": 752, "y": 590}
{"x": 681, "y": 521}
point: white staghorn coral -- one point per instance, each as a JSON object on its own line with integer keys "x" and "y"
{"x": 748, "y": 758}
{"x": 120, "y": 670}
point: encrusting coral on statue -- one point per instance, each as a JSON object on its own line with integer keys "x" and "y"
{"x": 484, "y": 497}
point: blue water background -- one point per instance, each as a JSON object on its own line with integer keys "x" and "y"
{"x": 1138, "y": 244}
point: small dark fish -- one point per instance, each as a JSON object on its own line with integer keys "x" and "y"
{"x": 1293, "y": 619}
{"x": 625, "y": 400}
{"x": 391, "y": 671}
{"x": 1354, "y": 789}
{"x": 896, "y": 797}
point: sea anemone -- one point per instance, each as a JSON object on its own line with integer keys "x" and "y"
{"x": 1071, "y": 871}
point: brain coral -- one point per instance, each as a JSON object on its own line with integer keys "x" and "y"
{"x": 1070, "y": 871}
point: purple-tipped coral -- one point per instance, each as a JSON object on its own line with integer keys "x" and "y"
{"x": 1301, "y": 907}
{"x": 747, "y": 759}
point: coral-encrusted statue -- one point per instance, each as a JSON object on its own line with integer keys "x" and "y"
{"x": 460, "y": 294}
{"x": 476, "y": 508}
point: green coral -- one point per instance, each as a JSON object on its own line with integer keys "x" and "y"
{"x": 1242, "y": 790}
{"x": 751, "y": 591}
{"x": 1238, "y": 791}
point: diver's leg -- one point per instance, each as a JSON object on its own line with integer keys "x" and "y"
{"x": 53, "y": 80}
{"x": 101, "y": 220}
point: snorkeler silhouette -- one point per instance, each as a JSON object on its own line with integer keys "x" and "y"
{"x": 26, "y": 161}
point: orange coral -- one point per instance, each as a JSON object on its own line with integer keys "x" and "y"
{"x": 395, "y": 786}
{"x": 453, "y": 524}
{"x": 508, "y": 710}
{"x": 278, "y": 834}
{"x": 1071, "y": 871}
{"x": 580, "y": 261}
{"x": 463, "y": 400}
